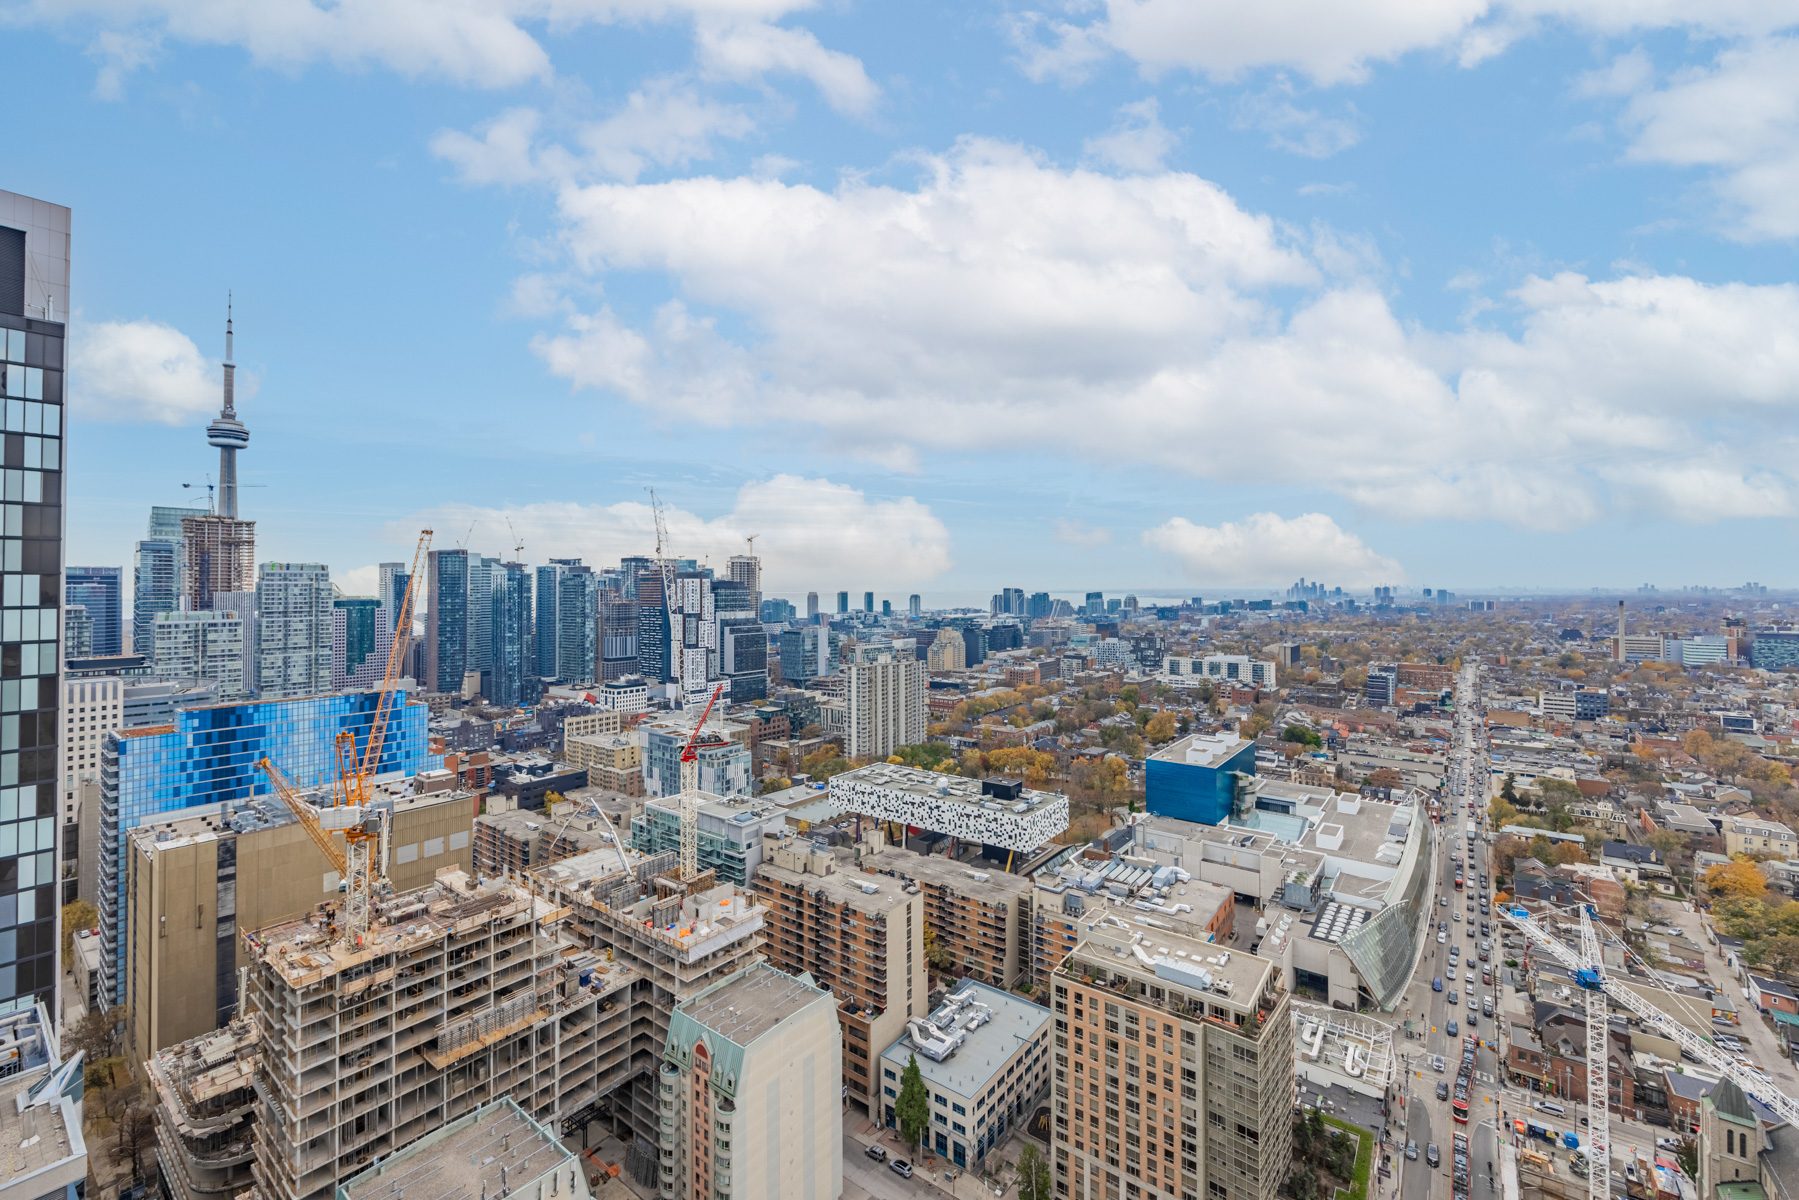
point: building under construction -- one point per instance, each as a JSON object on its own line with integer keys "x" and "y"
{"x": 218, "y": 554}
{"x": 471, "y": 991}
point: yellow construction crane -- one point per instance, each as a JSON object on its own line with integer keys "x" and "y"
{"x": 361, "y": 864}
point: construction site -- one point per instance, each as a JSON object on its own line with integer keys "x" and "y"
{"x": 380, "y": 1017}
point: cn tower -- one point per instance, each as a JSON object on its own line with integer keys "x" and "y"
{"x": 228, "y": 433}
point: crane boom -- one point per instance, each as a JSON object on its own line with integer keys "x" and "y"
{"x": 304, "y": 813}
{"x": 1592, "y": 975}
{"x": 396, "y": 655}
{"x": 690, "y": 795}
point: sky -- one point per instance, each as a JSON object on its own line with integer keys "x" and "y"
{"x": 1166, "y": 296}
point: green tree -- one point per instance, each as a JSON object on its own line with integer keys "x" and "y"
{"x": 1303, "y": 735}
{"x": 1543, "y": 850}
{"x": 913, "y": 1109}
{"x": 1035, "y": 1179}
{"x": 76, "y": 915}
{"x": 1507, "y": 791}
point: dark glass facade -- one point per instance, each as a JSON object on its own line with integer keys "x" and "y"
{"x": 446, "y": 624}
{"x": 98, "y": 589}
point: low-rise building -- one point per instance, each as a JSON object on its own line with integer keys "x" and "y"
{"x": 985, "y": 1057}
{"x": 613, "y": 761}
{"x": 40, "y": 1112}
{"x": 1751, "y": 835}
{"x": 993, "y": 812}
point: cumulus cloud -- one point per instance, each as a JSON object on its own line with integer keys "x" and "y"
{"x": 144, "y": 371}
{"x": 1137, "y": 142}
{"x": 1009, "y": 304}
{"x": 1737, "y": 119}
{"x": 744, "y": 50}
{"x": 810, "y": 533}
{"x": 1268, "y": 550}
{"x": 1337, "y": 41}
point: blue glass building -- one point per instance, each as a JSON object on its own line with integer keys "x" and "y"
{"x": 1195, "y": 779}
{"x": 1774, "y": 649}
{"x": 207, "y": 759}
{"x": 155, "y": 588}
{"x": 100, "y": 591}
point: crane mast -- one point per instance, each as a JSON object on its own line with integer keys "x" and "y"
{"x": 690, "y": 795}
{"x": 1589, "y": 972}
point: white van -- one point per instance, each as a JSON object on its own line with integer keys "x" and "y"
{"x": 1552, "y": 1108}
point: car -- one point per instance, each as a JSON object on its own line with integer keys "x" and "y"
{"x": 1436, "y": 1060}
{"x": 877, "y": 1153}
{"x": 1442, "y": 937}
{"x": 1456, "y": 915}
{"x": 1486, "y": 1007}
{"x": 1453, "y": 1030}
{"x": 1483, "y": 929}
{"x": 1667, "y": 1143}
{"x": 1471, "y": 1003}
{"x": 1442, "y": 926}
{"x": 1442, "y": 1090}
{"x": 1454, "y": 998}
{"x": 1449, "y": 971}
{"x": 900, "y": 1167}
{"x": 1411, "y": 1150}
{"x": 1436, "y": 984}
{"x": 1432, "y": 1155}
{"x": 1443, "y": 900}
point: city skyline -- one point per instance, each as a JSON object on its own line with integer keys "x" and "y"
{"x": 1333, "y": 333}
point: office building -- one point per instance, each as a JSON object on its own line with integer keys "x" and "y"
{"x": 293, "y": 629}
{"x": 811, "y": 606}
{"x": 994, "y": 812}
{"x": 1198, "y": 778}
{"x": 860, "y": 935}
{"x": 40, "y": 1103}
{"x": 886, "y": 705}
{"x": 747, "y": 1091}
{"x": 914, "y": 606}
{"x": 742, "y": 655}
{"x": 722, "y": 750}
{"x": 514, "y": 654}
{"x": 34, "y": 303}
{"x": 1701, "y": 651}
{"x": 446, "y": 620}
{"x": 984, "y": 1055}
{"x": 627, "y": 694}
{"x": 98, "y": 590}
{"x": 974, "y": 645}
{"x": 1210, "y": 1038}
{"x": 807, "y": 653}
{"x": 155, "y": 588}
{"x": 843, "y": 602}
{"x": 618, "y": 637}
{"x": 165, "y": 521}
{"x": 207, "y": 757}
{"x": 199, "y": 881}
{"x": 1771, "y": 649}
{"x": 203, "y": 645}
{"x": 362, "y": 639}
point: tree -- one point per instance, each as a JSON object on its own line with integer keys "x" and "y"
{"x": 1304, "y": 735}
{"x": 1508, "y": 791}
{"x": 1385, "y": 777}
{"x": 76, "y": 915}
{"x": 934, "y": 954}
{"x": 1667, "y": 843}
{"x": 1781, "y": 954}
{"x": 913, "y": 1108}
{"x": 1507, "y": 849}
{"x": 1568, "y": 852}
{"x": 1697, "y": 743}
{"x": 1738, "y": 879}
{"x": 1543, "y": 850}
{"x": 1161, "y": 728}
{"x": 1035, "y": 1179}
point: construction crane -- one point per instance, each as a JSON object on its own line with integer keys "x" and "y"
{"x": 1590, "y": 974}
{"x": 362, "y": 863}
{"x": 690, "y": 795}
{"x": 685, "y": 684}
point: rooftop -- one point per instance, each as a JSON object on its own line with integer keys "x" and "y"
{"x": 865, "y": 893}
{"x": 992, "y": 885}
{"x": 1201, "y": 749}
{"x": 1223, "y": 977}
{"x": 930, "y": 785}
{"x": 752, "y": 1002}
{"x": 493, "y": 1151}
{"x": 987, "y": 1048}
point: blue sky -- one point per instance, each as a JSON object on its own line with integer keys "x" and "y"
{"x": 1123, "y": 294}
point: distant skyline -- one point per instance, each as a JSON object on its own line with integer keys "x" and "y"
{"x": 942, "y": 298}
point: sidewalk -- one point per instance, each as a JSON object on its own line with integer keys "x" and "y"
{"x": 932, "y": 1168}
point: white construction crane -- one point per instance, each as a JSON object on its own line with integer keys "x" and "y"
{"x": 690, "y": 795}
{"x": 1590, "y": 974}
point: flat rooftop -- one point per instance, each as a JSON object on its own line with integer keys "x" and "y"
{"x": 971, "y": 1066}
{"x": 939, "y": 788}
{"x": 493, "y": 1151}
{"x": 988, "y": 883}
{"x": 1200, "y": 749}
{"x": 749, "y": 1004}
{"x": 1114, "y": 942}
{"x": 865, "y": 893}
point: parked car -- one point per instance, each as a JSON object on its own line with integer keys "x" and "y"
{"x": 1411, "y": 1150}
{"x": 1436, "y": 984}
{"x": 901, "y": 1167}
{"x": 877, "y": 1153}
{"x": 1442, "y": 937}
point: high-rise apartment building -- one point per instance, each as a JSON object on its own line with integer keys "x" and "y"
{"x": 245, "y": 605}
{"x": 390, "y": 583}
{"x": 155, "y": 588}
{"x": 748, "y": 1089}
{"x": 362, "y": 637}
{"x": 77, "y": 632}
{"x": 165, "y": 521}
{"x": 1095, "y": 605}
{"x": 868, "y": 601}
{"x": 811, "y": 606}
{"x": 479, "y": 655}
{"x": 514, "y": 654}
{"x": 1040, "y": 605}
{"x": 293, "y": 630}
{"x": 446, "y": 620}
{"x": 630, "y": 567}
{"x": 577, "y": 625}
{"x": 888, "y": 705}
{"x": 618, "y": 636}
{"x": 843, "y": 602}
{"x": 549, "y": 580}
{"x": 207, "y": 757}
{"x": 949, "y": 652}
{"x": 807, "y": 653}
{"x": 34, "y": 303}
{"x": 99, "y": 590}
{"x": 653, "y": 661}
{"x": 203, "y": 645}
{"x": 914, "y": 606}
{"x": 860, "y": 935}
{"x": 1174, "y": 1069}
{"x": 747, "y": 570}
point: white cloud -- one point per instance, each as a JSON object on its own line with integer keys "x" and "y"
{"x": 1337, "y": 41}
{"x": 746, "y": 50}
{"x": 1268, "y": 550}
{"x": 1739, "y": 119}
{"x": 360, "y": 581}
{"x": 1079, "y": 533}
{"x": 144, "y": 371}
{"x": 1137, "y": 141}
{"x": 1005, "y": 304}
{"x": 810, "y": 533}
{"x": 1304, "y": 131}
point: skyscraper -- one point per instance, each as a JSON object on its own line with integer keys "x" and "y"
{"x": 694, "y": 638}
{"x": 843, "y": 602}
{"x": 1095, "y": 606}
{"x": 742, "y": 655}
{"x": 549, "y": 582}
{"x": 630, "y": 567}
{"x": 97, "y": 589}
{"x": 203, "y": 645}
{"x": 387, "y": 591}
{"x": 165, "y": 522}
{"x": 747, "y": 570}
{"x": 1040, "y": 605}
{"x": 293, "y": 634}
{"x": 514, "y": 655}
{"x": 481, "y": 570}
{"x": 811, "y": 606}
{"x": 868, "y": 602}
{"x": 652, "y": 628}
{"x": 577, "y": 626}
{"x": 34, "y": 303}
{"x": 446, "y": 620}
{"x": 361, "y": 639}
{"x": 155, "y": 588}
{"x": 914, "y": 606}
{"x": 618, "y": 636}
{"x": 887, "y": 705}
